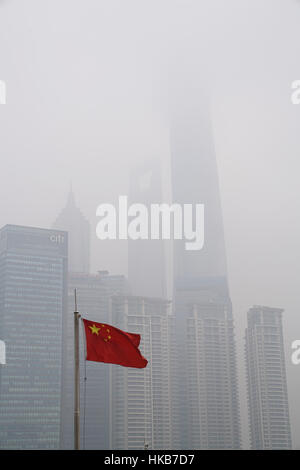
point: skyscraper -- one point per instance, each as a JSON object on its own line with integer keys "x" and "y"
{"x": 209, "y": 406}
{"x": 141, "y": 402}
{"x": 72, "y": 221}
{"x": 33, "y": 299}
{"x": 93, "y": 297}
{"x": 266, "y": 380}
{"x": 146, "y": 258}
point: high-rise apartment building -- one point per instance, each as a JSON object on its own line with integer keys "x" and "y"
{"x": 33, "y": 299}
{"x": 213, "y": 418}
{"x": 141, "y": 400}
{"x": 266, "y": 380}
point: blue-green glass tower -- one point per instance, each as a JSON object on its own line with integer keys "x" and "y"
{"x": 33, "y": 295}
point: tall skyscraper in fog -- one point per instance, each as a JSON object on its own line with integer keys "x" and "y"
{"x": 141, "y": 407}
{"x": 93, "y": 297}
{"x": 209, "y": 407}
{"x": 266, "y": 377}
{"x": 146, "y": 258}
{"x": 33, "y": 299}
{"x": 73, "y": 221}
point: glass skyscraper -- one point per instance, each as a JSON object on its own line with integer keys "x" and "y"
{"x": 33, "y": 288}
{"x": 208, "y": 393}
{"x": 147, "y": 258}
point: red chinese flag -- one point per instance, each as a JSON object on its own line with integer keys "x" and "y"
{"x": 105, "y": 343}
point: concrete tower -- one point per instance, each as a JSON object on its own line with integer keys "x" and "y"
{"x": 266, "y": 380}
{"x": 209, "y": 408}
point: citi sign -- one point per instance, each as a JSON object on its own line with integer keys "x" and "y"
{"x": 2, "y": 353}
{"x": 57, "y": 238}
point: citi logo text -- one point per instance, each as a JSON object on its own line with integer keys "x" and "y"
{"x": 2, "y": 353}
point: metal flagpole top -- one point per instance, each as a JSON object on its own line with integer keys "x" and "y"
{"x": 75, "y": 300}
{"x": 76, "y": 377}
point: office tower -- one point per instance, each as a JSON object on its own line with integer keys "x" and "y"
{"x": 146, "y": 258}
{"x": 93, "y": 301}
{"x": 209, "y": 407}
{"x": 266, "y": 380}
{"x": 141, "y": 402}
{"x": 72, "y": 221}
{"x": 33, "y": 298}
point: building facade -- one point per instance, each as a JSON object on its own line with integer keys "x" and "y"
{"x": 208, "y": 402}
{"x": 266, "y": 380}
{"x": 93, "y": 302}
{"x": 73, "y": 221}
{"x": 208, "y": 389}
{"x": 33, "y": 300}
{"x": 147, "y": 258}
{"x": 141, "y": 400}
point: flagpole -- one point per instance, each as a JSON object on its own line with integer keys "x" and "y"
{"x": 76, "y": 378}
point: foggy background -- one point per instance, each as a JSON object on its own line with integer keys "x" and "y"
{"x": 88, "y": 87}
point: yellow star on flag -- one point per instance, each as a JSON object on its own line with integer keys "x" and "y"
{"x": 94, "y": 329}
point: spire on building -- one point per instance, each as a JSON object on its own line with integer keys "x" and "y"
{"x": 75, "y": 223}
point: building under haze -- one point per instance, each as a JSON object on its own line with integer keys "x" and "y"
{"x": 93, "y": 301}
{"x": 142, "y": 408}
{"x": 266, "y": 380}
{"x": 73, "y": 221}
{"x": 211, "y": 376}
{"x": 146, "y": 258}
{"x": 33, "y": 300}
{"x": 208, "y": 395}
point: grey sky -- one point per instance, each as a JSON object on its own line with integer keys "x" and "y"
{"x": 87, "y": 96}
